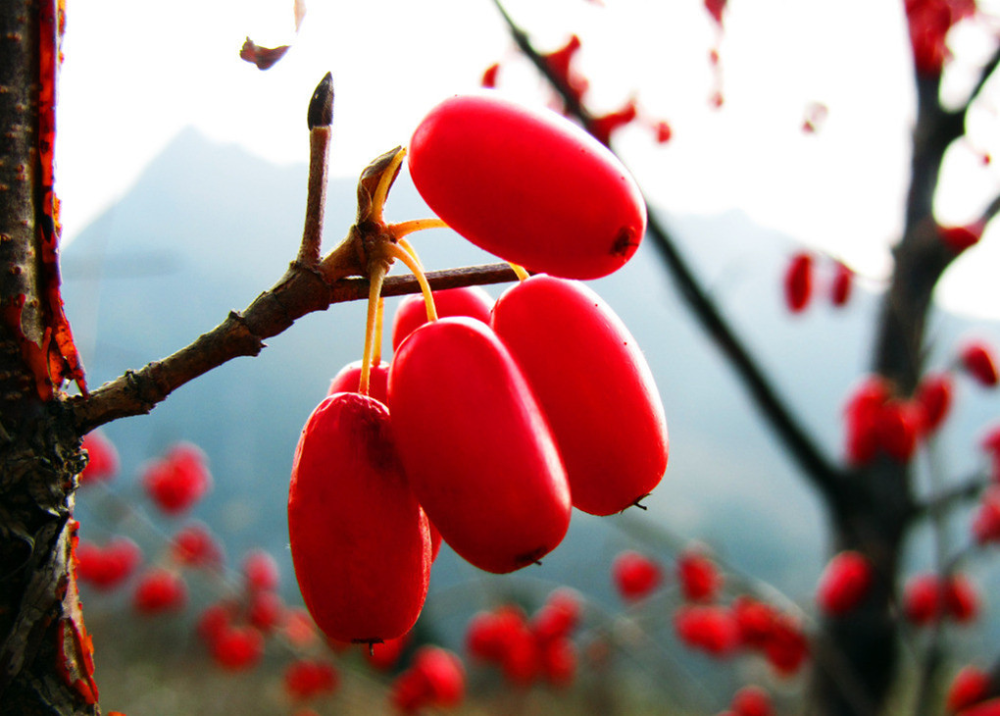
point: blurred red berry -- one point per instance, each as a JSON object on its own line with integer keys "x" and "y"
{"x": 844, "y": 583}
{"x": 489, "y": 78}
{"x": 558, "y": 617}
{"x": 238, "y": 648}
{"x": 106, "y": 568}
{"x": 194, "y": 545}
{"x": 843, "y": 284}
{"x": 102, "y": 459}
{"x": 968, "y": 688}
{"x": 922, "y": 599}
{"x": 961, "y": 599}
{"x": 558, "y": 661}
{"x": 266, "y": 611}
{"x": 934, "y": 396}
{"x": 752, "y": 701}
{"x": 709, "y": 628}
{"x": 755, "y": 620}
{"x": 986, "y": 518}
{"x": 899, "y": 425}
{"x": 699, "y": 578}
{"x": 299, "y": 629}
{"x": 214, "y": 620}
{"x": 384, "y": 656}
{"x": 862, "y": 416}
{"x": 715, "y": 8}
{"x": 179, "y": 479}
{"x": 787, "y": 647}
{"x": 979, "y": 362}
{"x": 799, "y": 282}
{"x": 159, "y": 591}
{"x": 959, "y": 238}
{"x": 436, "y": 678}
{"x": 559, "y": 63}
{"x": 308, "y": 678}
{"x": 604, "y": 126}
{"x": 663, "y": 132}
{"x": 984, "y": 708}
{"x": 635, "y": 575}
{"x": 260, "y": 571}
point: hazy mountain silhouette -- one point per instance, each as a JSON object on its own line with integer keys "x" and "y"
{"x": 207, "y": 227}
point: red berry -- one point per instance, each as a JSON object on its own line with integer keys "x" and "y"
{"x": 752, "y": 701}
{"x": 843, "y": 282}
{"x": 159, "y": 591}
{"x": 715, "y": 8}
{"x": 436, "y": 678}
{"x": 530, "y": 187}
{"x": 238, "y": 648}
{"x": 862, "y": 416}
{"x": 102, "y": 459}
{"x": 489, "y": 78}
{"x": 385, "y": 655}
{"x": 560, "y": 62}
{"x": 558, "y": 617}
{"x": 899, "y": 425}
{"x": 106, "y": 568}
{"x": 594, "y": 386}
{"x": 602, "y": 127}
{"x": 663, "y": 132}
{"x": 786, "y": 648}
{"x": 635, "y": 575}
{"x": 472, "y": 301}
{"x": 961, "y": 599}
{"x": 260, "y": 571}
{"x": 959, "y": 238}
{"x": 933, "y": 396}
{"x": 709, "y": 628}
{"x": 558, "y": 661}
{"x": 476, "y": 447}
{"x": 978, "y": 360}
{"x": 799, "y": 282}
{"x": 844, "y": 583}
{"x": 348, "y": 380}
{"x": 179, "y": 479}
{"x": 308, "y": 678}
{"x": 968, "y": 688}
{"x": 984, "y": 708}
{"x": 266, "y": 611}
{"x": 986, "y": 519}
{"x": 922, "y": 596}
{"x": 698, "y": 576}
{"x": 194, "y": 545}
{"x": 756, "y": 621}
{"x": 359, "y": 540}
{"x": 215, "y": 620}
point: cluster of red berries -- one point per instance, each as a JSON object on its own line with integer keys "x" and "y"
{"x": 528, "y": 650}
{"x": 800, "y": 282}
{"x": 927, "y": 598}
{"x": 929, "y": 22}
{"x": 541, "y": 400}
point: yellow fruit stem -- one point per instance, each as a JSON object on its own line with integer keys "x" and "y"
{"x": 522, "y": 274}
{"x": 379, "y": 316}
{"x": 411, "y": 251}
{"x": 377, "y": 277}
{"x": 403, "y": 228}
{"x": 411, "y": 263}
{"x": 384, "y": 182}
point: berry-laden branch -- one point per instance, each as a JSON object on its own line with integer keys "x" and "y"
{"x": 823, "y": 474}
{"x": 311, "y": 283}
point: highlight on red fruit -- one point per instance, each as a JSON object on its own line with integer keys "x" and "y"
{"x": 528, "y": 186}
{"x": 979, "y": 361}
{"x": 969, "y": 686}
{"x": 476, "y": 447}
{"x": 105, "y": 568}
{"x": 699, "y": 577}
{"x": 102, "y": 458}
{"x": 359, "y": 540}
{"x": 844, "y": 583}
{"x": 159, "y": 591}
{"x": 594, "y": 386}
{"x": 348, "y": 380}
{"x": 799, "y": 281}
{"x": 635, "y": 575}
{"x": 179, "y": 479}
{"x": 471, "y": 301}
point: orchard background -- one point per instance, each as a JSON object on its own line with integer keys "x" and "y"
{"x": 772, "y": 478}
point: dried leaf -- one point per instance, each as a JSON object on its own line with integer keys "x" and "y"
{"x": 263, "y": 57}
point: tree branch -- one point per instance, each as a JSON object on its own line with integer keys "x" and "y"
{"x": 823, "y": 474}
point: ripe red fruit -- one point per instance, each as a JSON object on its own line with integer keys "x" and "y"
{"x": 844, "y": 583}
{"x": 786, "y": 648}
{"x": 961, "y": 599}
{"x": 179, "y": 479}
{"x": 899, "y": 425}
{"x": 959, "y": 238}
{"x": 862, "y": 416}
{"x": 709, "y": 628}
{"x": 385, "y": 655}
{"x": 360, "y": 542}
{"x": 476, "y": 447}
{"x": 756, "y": 621}
{"x": 159, "y": 591}
{"x": 472, "y": 301}
{"x": 530, "y": 187}
{"x": 102, "y": 459}
{"x": 752, "y": 701}
{"x": 933, "y": 396}
{"x": 594, "y": 386}
{"x": 237, "y": 648}
{"x": 978, "y": 360}
{"x": 436, "y": 678}
{"x": 922, "y": 599}
{"x": 348, "y": 380}
{"x": 260, "y": 571}
{"x": 106, "y": 568}
{"x": 558, "y": 661}
{"x": 843, "y": 282}
{"x": 194, "y": 545}
{"x": 968, "y": 687}
{"x": 558, "y": 617}
{"x": 266, "y": 611}
{"x": 635, "y": 575}
{"x": 215, "y": 619}
{"x": 698, "y": 576}
{"x": 799, "y": 282}
{"x": 308, "y": 678}
{"x": 986, "y": 520}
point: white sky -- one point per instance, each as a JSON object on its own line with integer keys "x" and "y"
{"x": 136, "y": 73}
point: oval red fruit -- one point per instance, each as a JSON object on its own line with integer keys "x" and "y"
{"x": 635, "y": 575}
{"x": 844, "y": 583}
{"x": 360, "y": 542}
{"x": 594, "y": 386}
{"x": 799, "y": 282}
{"x": 475, "y": 445}
{"x": 102, "y": 458}
{"x": 472, "y": 301}
{"x": 528, "y": 186}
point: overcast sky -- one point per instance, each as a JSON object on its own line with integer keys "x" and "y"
{"x": 136, "y": 73}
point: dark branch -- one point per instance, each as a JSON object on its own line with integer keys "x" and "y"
{"x": 967, "y": 490}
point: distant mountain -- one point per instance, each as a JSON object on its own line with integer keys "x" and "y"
{"x": 207, "y": 227}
